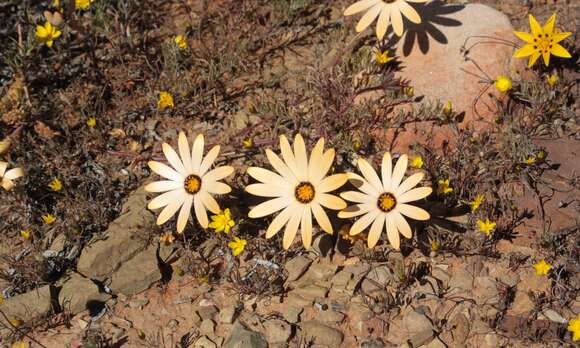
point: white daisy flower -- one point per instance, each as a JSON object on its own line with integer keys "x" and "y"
{"x": 9, "y": 176}
{"x": 190, "y": 182}
{"x": 388, "y": 11}
{"x": 300, "y": 190}
{"x": 384, "y": 203}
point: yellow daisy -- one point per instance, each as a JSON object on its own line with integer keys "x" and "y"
{"x": 384, "y": 203}
{"x": 542, "y": 42}
{"x": 47, "y": 33}
{"x": 190, "y": 182}
{"x": 300, "y": 190}
{"x": 387, "y": 11}
{"x": 7, "y": 177}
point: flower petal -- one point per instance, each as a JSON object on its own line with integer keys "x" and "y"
{"x": 526, "y": 37}
{"x": 549, "y": 26}
{"x": 316, "y": 156}
{"x": 281, "y": 167}
{"x": 387, "y": 171}
{"x": 169, "y": 211}
{"x": 306, "y": 227}
{"x": 288, "y": 157}
{"x": 375, "y": 231}
{"x": 167, "y": 198}
{"x": 560, "y": 51}
{"x": 397, "y": 21}
{"x": 162, "y": 186}
{"x": 355, "y": 210}
{"x": 183, "y": 147}
{"x": 357, "y": 197}
{"x": 560, "y": 36}
{"x": 165, "y": 171}
{"x": 197, "y": 153}
{"x": 402, "y": 224}
{"x": 3, "y": 166}
{"x": 267, "y": 177}
{"x": 533, "y": 58}
{"x": 409, "y": 183}
{"x": 208, "y": 160}
{"x": 265, "y": 190}
{"x": 301, "y": 157}
{"x": 413, "y": 212}
{"x": 370, "y": 175}
{"x": 280, "y": 220}
{"x": 216, "y": 187}
{"x": 184, "y": 213}
{"x": 525, "y": 50}
{"x": 359, "y": 225}
{"x": 360, "y": 6}
{"x": 369, "y": 17}
{"x": 200, "y": 213}
{"x": 269, "y": 207}
{"x": 399, "y": 172}
{"x": 14, "y": 173}
{"x": 331, "y": 183}
{"x": 383, "y": 22}
{"x": 535, "y": 26}
{"x": 546, "y": 58}
{"x": 415, "y": 194}
{"x": 173, "y": 159}
{"x": 317, "y": 171}
{"x": 409, "y": 12}
{"x": 321, "y": 217}
{"x": 360, "y": 183}
{"x": 209, "y": 202}
{"x": 392, "y": 232}
{"x": 330, "y": 201}
{"x": 292, "y": 226}
{"x": 218, "y": 173}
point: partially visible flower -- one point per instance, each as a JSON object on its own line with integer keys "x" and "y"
{"x": 503, "y": 83}
{"x": 541, "y": 155}
{"x": 8, "y": 176}
{"x": 435, "y": 245}
{"x": 180, "y": 41}
{"x": 237, "y": 245}
{"x": 486, "y": 226}
{"x": 356, "y": 145}
{"x": 388, "y": 12}
{"x": 384, "y": 202}
{"x": 530, "y": 160}
{"x": 55, "y": 185}
{"x": 166, "y": 238}
{"x": 552, "y": 79}
{"x": 382, "y": 57}
{"x": 189, "y": 182}
{"x": 47, "y": 33}
{"x": 542, "y": 267}
{"x": 343, "y": 232}
{"x": 48, "y": 219}
{"x": 410, "y": 91}
{"x": 5, "y": 145}
{"x": 56, "y": 3}
{"x": 300, "y": 190}
{"x": 165, "y": 101}
{"x": 25, "y": 234}
{"x": 222, "y": 222}
{"x": 417, "y": 162}
{"x": 443, "y": 186}
{"x": 16, "y": 322}
{"x": 248, "y": 143}
{"x": 83, "y": 4}
{"x": 178, "y": 270}
{"x": 476, "y": 202}
{"x": 542, "y": 42}
{"x": 574, "y": 328}
{"x": 448, "y": 108}
{"x": 92, "y": 122}
{"x": 20, "y": 344}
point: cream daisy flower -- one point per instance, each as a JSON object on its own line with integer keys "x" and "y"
{"x": 384, "y": 202}
{"x": 191, "y": 182}
{"x": 300, "y": 190}
{"x": 9, "y": 176}
{"x": 388, "y": 12}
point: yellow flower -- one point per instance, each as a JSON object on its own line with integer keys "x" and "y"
{"x": 486, "y": 226}
{"x": 47, "y": 33}
{"x": 248, "y": 143}
{"x": 476, "y": 202}
{"x": 25, "y": 234}
{"x": 410, "y": 91}
{"x": 443, "y": 187}
{"x": 503, "y": 83}
{"x": 530, "y": 160}
{"x": 542, "y": 267}
{"x": 180, "y": 41}
{"x": 448, "y": 108}
{"x": 166, "y": 238}
{"x": 382, "y": 57}
{"x": 55, "y": 185}
{"x": 178, "y": 270}
{"x": 56, "y": 3}
{"x": 83, "y": 4}
{"x": 542, "y": 42}
{"x": 417, "y": 162}
{"x": 16, "y": 322}
{"x": 552, "y": 79}
{"x": 48, "y": 219}
{"x": 237, "y": 245}
{"x": 356, "y": 145}
{"x": 20, "y": 344}
{"x": 7, "y": 177}
{"x": 435, "y": 245}
{"x": 165, "y": 101}
{"x": 222, "y": 222}
{"x": 574, "y": 328}
{"x": 92, "y": 122}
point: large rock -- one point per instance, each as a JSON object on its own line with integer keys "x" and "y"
{"x": 137, "y": 274}
{"x": 315, "y": 332}
{"x": 79, "y": 293}
{"x": 124, "y": 239}
{"x": 29, "y": 306}
{"x": 244, "y": 338}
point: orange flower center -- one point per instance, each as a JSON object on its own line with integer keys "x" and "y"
{"x": 192, "y": 184}
{"x": 387, "y": 202}
{"x": 543, "y": 43}
{"x": 304, "y": 192}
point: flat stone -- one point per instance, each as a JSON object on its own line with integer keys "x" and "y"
{"x": 485, "y": 290}
{"x": 417, "y": 323}
{"x": 461, "y": 279}
{"x": 207, "y": 312}
{"x": 422, "y": 338}
{"x": 227, "y": 314}
{"x": 204, "y": 342}
{"x": 137, "y": 274}
{"x": 123, "y": 239}
{"x": 207, "y": 327}
{"x": 292, "y": 314}
{"x": 79, "y": 293}
{"x": 331, "y": 316}
{"x": 296, "y": 267}
{"x": 28, "y": 307}
{"x": 277, "y": 331}
{"x": 318, "y": 333}
{"x": 311, "y": 292}
{"x": 341, "y": 279}
{"x": 241, "y": 337}
{"x": 377, "y": 279}
{"x": 296, "y": 300}
{"x": 322, "y": 271}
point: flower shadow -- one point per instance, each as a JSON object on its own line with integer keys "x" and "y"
{"x": 433, "y": 13}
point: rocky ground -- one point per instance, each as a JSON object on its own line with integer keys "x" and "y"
{"x": 117, "y": 285}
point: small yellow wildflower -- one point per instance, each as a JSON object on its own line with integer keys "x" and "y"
{"x": 541, "y": 156}
{"x": 443, "y": 186}
{"x": 166, "y": 238}
{"x": 448, "y": 108}
{"x": 574, "y": 328}
{"x": 83, "y": 4}
{"x": 486, "y": 226}
{"x": 180, "y": 41}
{"x": 237, "y": 245}
{"x": 503, "y": 83}
{"x": 248, "y": 143}
{"x": 417, "y": 162}
{"x": 25, "y": 234}
{"x": 56, "y": 3}
{"x": 435, "y": 245}
{"x": 382, "y": 57}
{"x": 92, "y": 122}
{"x": 16, "y": 322}
{"x": 165, "y": 101}
{"x": 410, "y": 92}
{"x": 178, "y": 270}
{"x": 542, "y": 267}
{"x": 55, "y": 185}
{"x": 356, "y": 145}
{"x": 20, "y": 344}
{"x": 530, "y": 160}
{"x": 552, "y": 79}
{"x": 48, "y": 219}
{"x": 222, "y": 222}
{"x": 47, "y": 33}
{"x": 476, "y": 202}
{"x": 141, "y": 334}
